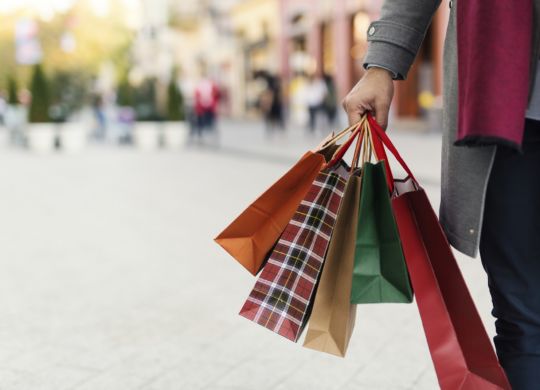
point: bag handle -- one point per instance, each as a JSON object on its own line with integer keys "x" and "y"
{"x": 338, "y": 155}
{"x": 356, "y": 155}
{"x": 369, "y": 149}
{"x": 334, "y": 138}
{"x": 340, "y": 152}
{"x": 380, "y": 155}
{"x": 385, "y": 141}
{"x": 341, "y": 134}
{"x": 361, "y": 148}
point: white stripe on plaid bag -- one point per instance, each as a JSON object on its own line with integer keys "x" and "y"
{"x": 304, "y": 226}
{"x": 272, "y": 286}
{"x": 295, "y": 247}
{"x": 281, "y": 313}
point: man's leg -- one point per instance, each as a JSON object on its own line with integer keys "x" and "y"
{"x": 510, "y": 251}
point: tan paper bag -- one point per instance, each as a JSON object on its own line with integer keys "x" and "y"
{"x": 332, "y": 319}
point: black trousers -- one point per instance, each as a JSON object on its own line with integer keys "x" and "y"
{"x": 510, "y": 251}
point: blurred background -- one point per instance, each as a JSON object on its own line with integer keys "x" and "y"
{"x": 114, "y": 70}
{"x": 131, "y": 133}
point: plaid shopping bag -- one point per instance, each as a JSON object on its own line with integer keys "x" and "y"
{"x": 282, "y": 295}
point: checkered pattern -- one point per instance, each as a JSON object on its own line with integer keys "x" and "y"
{"x": 281, "y": 297}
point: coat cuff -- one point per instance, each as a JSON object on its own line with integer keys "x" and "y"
{"x": 393, "y": 45}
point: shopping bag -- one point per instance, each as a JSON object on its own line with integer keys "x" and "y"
{"x": 380, "y": 273}
{"x": 332, "y": 319}
{"x": 282, "y": 296}
{"x": 251, "y": 236}
{"x": 460, "y": 348}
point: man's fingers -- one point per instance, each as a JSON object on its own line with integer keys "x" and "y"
{"x": 381, "y": 114}
{"x": 354, "y": 111}
{"x": 354, "y": 116}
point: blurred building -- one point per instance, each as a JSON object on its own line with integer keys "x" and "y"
{"x": 257, "y": 30}
{"x": 203, "y": 45}
{"x": 292, "y": 38}
{"x": 236, "y": 40}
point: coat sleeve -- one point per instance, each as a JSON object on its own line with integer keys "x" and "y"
{"x": 394, "y": 39}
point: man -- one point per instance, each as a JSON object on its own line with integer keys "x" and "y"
{"x": 491, "y": 148}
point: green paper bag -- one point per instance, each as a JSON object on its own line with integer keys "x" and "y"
{"x": 380, "y": 274}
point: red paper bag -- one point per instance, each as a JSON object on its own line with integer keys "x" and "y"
{"x": 460, "y": 348}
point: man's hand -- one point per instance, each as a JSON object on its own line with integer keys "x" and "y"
{"x": 373, "y": 93}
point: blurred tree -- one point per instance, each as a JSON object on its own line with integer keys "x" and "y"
{"x": 69, "y": 92}
{"x": 13, "y": 98}
{"x": 124, "y": 94}
{"x": 146, "y": 101}
{"x": 40, "y": 104}
{"x": 92, "y": 39}
{"x": 175, "y": 102}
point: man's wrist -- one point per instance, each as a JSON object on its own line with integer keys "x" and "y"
{"x": 374, "y": 68}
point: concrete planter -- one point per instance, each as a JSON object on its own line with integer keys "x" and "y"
{"x": 4, "y": 137}
{"x": 146, "y": 135}
{"x": 175, "y": 134}
{"x": 41, "y": 137}
{"x": 73, "y": 137}
{"x": 15, "y": 117}
{"x": 15, "y": 120}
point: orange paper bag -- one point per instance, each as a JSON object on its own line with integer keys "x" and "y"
{"x": 252, "y": 235}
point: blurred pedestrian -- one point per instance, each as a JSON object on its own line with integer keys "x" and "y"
{"x": 491, "y": 148}
{"x": 187, "y": 86}
{"x": 330, "y": 100}
{"x": 206, "y": 105}
{"x": 316, "y": 93}
{"x": 271, "y": 106}
{"x": 98, "y": 110}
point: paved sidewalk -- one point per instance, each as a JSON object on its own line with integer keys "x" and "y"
{"x": 109, "y": 279}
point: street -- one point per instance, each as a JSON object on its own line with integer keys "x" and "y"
{"x": 110, "y": 279}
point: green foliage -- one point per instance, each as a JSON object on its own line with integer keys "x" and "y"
{"x": 124, "y": 94}
{"x": 13, "y": 99}
{"x": 69, "y": 92}
{"x": 146, "y": 101}
{"x": 175, "y": 102}
{"x": 97, "y": 38}
{"x": 39, "y": 88}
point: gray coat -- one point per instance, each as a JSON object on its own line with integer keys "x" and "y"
{"x": 394, "y": 42}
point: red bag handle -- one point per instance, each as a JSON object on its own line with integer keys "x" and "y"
{"x": 380, "y": 155}
{"x": 380, "y": 141}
